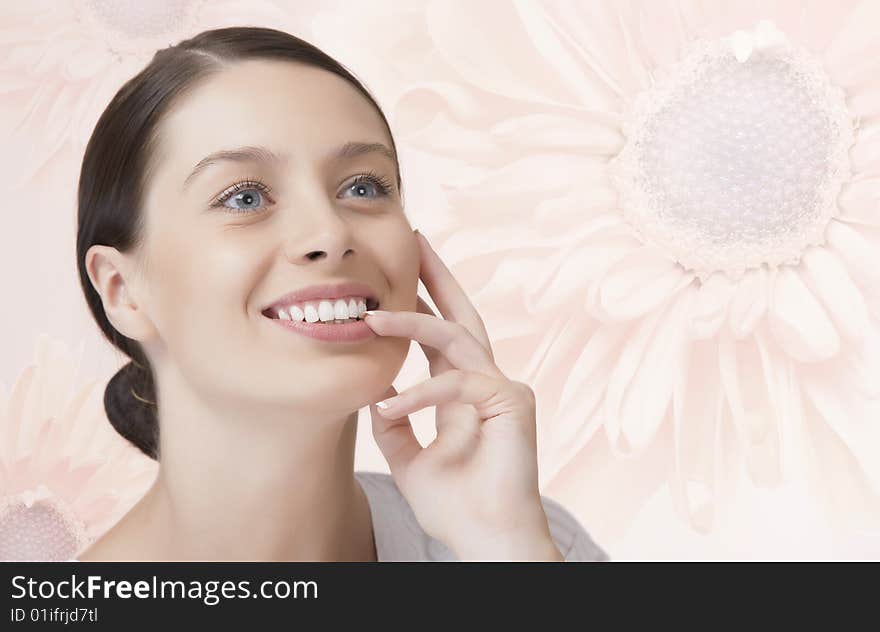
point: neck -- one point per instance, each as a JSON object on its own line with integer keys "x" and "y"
{"x": 251, "y": 487}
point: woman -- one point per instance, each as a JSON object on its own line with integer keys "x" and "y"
{"x": 239, "y": 212}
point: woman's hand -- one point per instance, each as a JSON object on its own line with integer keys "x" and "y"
{"x": 475, "y": 487}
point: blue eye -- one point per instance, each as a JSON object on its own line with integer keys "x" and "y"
{"x": 365, "y": 183}
{"x": 246, "y": 192}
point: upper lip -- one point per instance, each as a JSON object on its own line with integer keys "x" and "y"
{"x": 325, "y": 290}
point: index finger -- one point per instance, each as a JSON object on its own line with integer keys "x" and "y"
{"x": 451, "y": 339}
{"x": 447, "y": 294}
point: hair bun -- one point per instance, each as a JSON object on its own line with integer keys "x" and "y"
{"x": 133, "y": 418}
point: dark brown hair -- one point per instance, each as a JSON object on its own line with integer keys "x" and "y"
{"x": 118, "y": 159}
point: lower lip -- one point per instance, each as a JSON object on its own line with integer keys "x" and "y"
{"x": 356, "y": 331}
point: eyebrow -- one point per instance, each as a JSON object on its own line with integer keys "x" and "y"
{"x": 266, "y": 155}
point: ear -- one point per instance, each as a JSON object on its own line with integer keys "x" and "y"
{"x": 112, "y": 276}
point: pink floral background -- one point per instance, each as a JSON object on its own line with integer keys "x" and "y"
{"x": 680, "y": 417}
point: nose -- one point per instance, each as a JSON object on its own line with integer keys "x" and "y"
{"x": 319, "y": 234}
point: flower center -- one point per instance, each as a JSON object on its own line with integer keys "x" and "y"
{"x": 44, "y": 530}
{"x": 734, "y": 163}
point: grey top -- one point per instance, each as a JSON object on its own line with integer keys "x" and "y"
{"x": 399, "y": 537}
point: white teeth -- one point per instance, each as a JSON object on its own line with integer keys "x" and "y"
{"x": 327, "y": 310}
{"x": 340, "y": 309}
{"x": 311, "y": 313}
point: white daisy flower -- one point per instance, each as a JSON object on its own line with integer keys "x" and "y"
{"x": 683, "y": 197}
{"x": 66, "y": 476}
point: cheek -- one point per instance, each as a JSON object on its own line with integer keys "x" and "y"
{"x": 400, "y": 263}
{"x": 202, "y": 292}
{"x": 202, "y": 282}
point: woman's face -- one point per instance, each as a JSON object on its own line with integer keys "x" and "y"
{"x": 212, "y": 266}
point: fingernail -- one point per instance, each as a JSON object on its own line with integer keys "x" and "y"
{"x": 385, "y": 403}
{"x": 375, "y": 312}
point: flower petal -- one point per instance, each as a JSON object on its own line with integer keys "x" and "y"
{"x": 420, "y": 101}
{"x": 626, "y": 367}
{"x": 564, "y": 215}
{"x": 501, "y": 56}
{"x": 861, "y": 259}
{"x": 662, "y": 33}
{"x": 865, "y": 104}
{"x": 445, "y": 137}
{"x": 799, "y": 323}
{"x": 832, "y": 284}
{"x": 636, "y": 284}
{"x": 856, "y": 40}
{"x": 853, "y": 418}
{"x": 585, "y": 386}
{"x": 819, "y": 22}
{"x": 537, "y": 174}
{"x": 747, "y": 380}
{"x": 577, "y": 266}
{"x": 590, "y": 485}
{"x": 86, "y": 63}
{"x": 700, "y": 438}
{"x": 605, "y": 341}
{"x": 782, "y": 376}
{"x": 15, "y": 414}
{"x": 598, "y": 133}
{"x": 865, "y": 153}
{"x": 603, "y": 35}
{"x": 553, "y": 39}
{"x": 640, "y": 385}
{"x": 647, "y": 397}
{"x": 838, "y": 477}
{"x": 863, "y": 366}
{"x": 710, "y": 306}
{"x": 75, "y": 480}
{"x": 749, "y": 302}
{"x": 860, "y": 201}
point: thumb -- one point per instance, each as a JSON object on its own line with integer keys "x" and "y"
{"x": 395, "y": 439}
